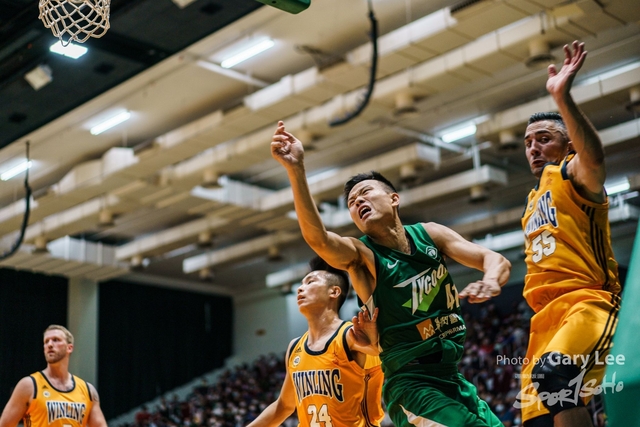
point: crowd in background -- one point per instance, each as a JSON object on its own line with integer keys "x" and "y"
{"x": 494, "y": 341}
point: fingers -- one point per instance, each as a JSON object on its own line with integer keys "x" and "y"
{"x": 478, "y": 292}
{"x": 552, "y": 71}
{"x": 280, "y": 128}
{"x": 577, "y": 56}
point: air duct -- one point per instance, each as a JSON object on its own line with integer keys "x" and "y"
{"x": 508, "y": 141}
{"x": 210, "y": 179}
{"x": 478, "y": 193}
{"x": 539, "y": 54}
{"x": 405, "y": 104}
{"x": 40, "y": 244}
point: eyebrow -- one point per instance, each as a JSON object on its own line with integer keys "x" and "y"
{"x": 358, "y": 192}
{"x": 538, "y": 132}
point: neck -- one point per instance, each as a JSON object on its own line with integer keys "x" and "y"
{"x": 58, "y": 370}
{"x": 323, "y": 323}
{"x": 393, "y": 237}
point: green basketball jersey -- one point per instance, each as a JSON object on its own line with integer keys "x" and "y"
{"x": 419, "y": 309}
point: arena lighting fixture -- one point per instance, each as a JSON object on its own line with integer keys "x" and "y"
{"x": 458, "y": 133}
{"x": 111, "y": 122}
{"x": 617, "y": 187}
{"x": 16, "y": 170}
{"x": 251, "y": 51}
{"x": 72, "y": 50}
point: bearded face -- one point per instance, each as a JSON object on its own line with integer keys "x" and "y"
{"x": 56, "y": 346}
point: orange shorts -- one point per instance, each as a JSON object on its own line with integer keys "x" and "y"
{"x": 579, "y": 325}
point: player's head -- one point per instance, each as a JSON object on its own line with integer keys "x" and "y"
{"x": 324, "y": 285}
{"x": 546, "y": 140}
{"x": 58, "y": 343}
{"x": 370, "y": 196}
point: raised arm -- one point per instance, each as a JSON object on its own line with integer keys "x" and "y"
{"x": 275, "y": 414}
{"x": 345, "y": 253}
{"x": 587, "y": 170}
{"x": 96, "y": 417}
{"x": 18, "y": 403}
{"x": 496, "y": 268}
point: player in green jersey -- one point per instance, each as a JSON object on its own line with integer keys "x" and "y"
{"x": 401, "y": 271}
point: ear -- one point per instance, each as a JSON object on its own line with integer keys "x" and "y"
{"x": 395, "y": 199}
{"x": 569, "y": 147}
{"x": 335, "y": 292}
{"x": 69, "y": 348}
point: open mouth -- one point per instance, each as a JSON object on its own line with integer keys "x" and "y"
{"x": 364, "y": 210}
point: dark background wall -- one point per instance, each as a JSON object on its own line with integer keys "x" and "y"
{"x": 154, "y": 339}
{"x": 28, "y": 304}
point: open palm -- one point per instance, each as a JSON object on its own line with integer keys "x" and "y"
{"x": 559, "y": 82}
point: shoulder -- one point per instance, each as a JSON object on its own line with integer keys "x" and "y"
{"x": 437, "y": 231}
{"x": 27, "y": 383}
{"x": 25, "y": 388}
{"x": 365, "y": 255}
{"x": 292, "y": 345}
{"x": 359, "y": 244}
{"x": 93, "y": 392}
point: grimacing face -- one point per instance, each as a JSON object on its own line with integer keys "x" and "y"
{"x": 545, "y": 142}
{"x": 369, "y": 201}
{"x": 56, "y": 346}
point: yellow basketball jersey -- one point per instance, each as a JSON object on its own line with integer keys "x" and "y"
{"x": 374, "y": 380}
{"x": 567, "y": 240}
{"x": 330, "y": 385}
{"x": 55, "y": 408}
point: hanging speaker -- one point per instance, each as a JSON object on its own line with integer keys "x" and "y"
{"x": 291, "y": 6}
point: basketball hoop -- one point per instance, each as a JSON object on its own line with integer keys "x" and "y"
{"x": 75, "y": 19}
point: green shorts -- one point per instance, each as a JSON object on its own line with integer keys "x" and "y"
{"x": 436, "y": 396}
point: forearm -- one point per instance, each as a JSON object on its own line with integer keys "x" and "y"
{"x": 582, "y": 133}
{"x": 313, "y": 230}
{"x": 496, "y": 267}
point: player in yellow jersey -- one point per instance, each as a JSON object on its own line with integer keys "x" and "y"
{"x": 330, "y": 381}
{"x": 53, "y": 397}
{"x": 572, "y": 278}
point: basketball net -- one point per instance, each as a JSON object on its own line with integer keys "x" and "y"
{"x": 77, "y": 20}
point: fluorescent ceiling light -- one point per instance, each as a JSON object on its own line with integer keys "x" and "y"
{"x": 459, "y": 133}
{"x": 249, "y": 52}
{"x": 109, "y": 123}
{"x": 71, "y": 51}
{"x": 617, "y": 187}
{"x": 15, "y": 170}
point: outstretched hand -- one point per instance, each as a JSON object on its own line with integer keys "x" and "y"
{"x": 365, "y": 330}
{"x": 480, "y": 291}
{"x": 559, "y": 82}
{"x": 286, "y": 148}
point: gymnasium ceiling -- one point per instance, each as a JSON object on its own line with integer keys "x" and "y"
{"x": 449, "y": 62}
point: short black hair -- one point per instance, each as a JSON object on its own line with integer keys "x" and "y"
{"x": 337, "y": 277}
{"x": 376, "y": 176}
{"x": 553, "y": 117}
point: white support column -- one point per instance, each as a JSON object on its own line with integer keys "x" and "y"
{"x": 82, "y": 320}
